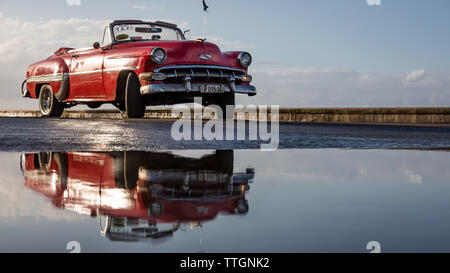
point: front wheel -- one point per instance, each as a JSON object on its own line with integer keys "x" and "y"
{"x": 48, "y": 104}
{"x": 134, "y": 102}
{"x": 223, "y": 101}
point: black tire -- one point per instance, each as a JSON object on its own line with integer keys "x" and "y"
{"x": 48, "y": 104}
{"x": 225, "y": 161}
{"x": 45, "y": 160}
{"x": 61, "y": 161}
{"x": 94, "y": 105}
{"x": 119, "y": 173}
{"x": 223, "y": 101}
{"x": 131, "y": 169}
{"x": 126, "y": 169}
{"x": 134, "y": 102}
{"x": 242, "y": 207}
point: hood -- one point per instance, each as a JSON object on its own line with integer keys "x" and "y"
{"x": 186, "y": 52}
{"x": 191, "y": 51}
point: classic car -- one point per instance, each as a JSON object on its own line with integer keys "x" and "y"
{"x": 140, "y": 195}
{"x": 138, "y": 64}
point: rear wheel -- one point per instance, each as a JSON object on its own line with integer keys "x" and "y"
{"x": 134, "y": 102}
{"x": 48, "y": 104}
{"x": 45, "y": 160}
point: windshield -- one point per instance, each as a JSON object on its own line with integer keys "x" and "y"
{"x": 145, "y": 32}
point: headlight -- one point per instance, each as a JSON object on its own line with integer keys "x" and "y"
{"x": 245, "y": 59}
{"x": 158, "y": 55}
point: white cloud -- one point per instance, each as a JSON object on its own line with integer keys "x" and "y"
{"x": 144, "y": 7}
{"x": 414, "y": 76}
{"x": 227, "y": 45}
{"x": 336, "y": 87}
{"x": 32, "y": 41}
{"x": 138, "y": 7}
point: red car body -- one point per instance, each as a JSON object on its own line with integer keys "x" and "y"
{"x": 139, "y": 191}
{"x": 99, "y": 75}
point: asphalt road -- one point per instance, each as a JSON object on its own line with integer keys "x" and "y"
{"x": 38, "y": 134}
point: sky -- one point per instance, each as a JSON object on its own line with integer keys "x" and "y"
{"x": 306, "y": 53}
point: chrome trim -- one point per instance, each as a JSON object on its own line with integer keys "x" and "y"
{"x": 145, "y": 76}
{"x": 79, "y": 49}
{"x": 46, "y": 78}
{"x": 194, "y": 87}
{"x": 60, "y": 76}
{"x": 153, "y": 58}
{"x": 197, "y": 66}
{"x": 158, "y": 76}
{"x": 122, "y": 68}
{"x": 187, "y": 84}
{"x": 85, "y": 72}
{"x": 26, "y": 92}
{"x": 105, "y": 70}
{"x": 205, "y": 57}
{"x": 240, "y": 56}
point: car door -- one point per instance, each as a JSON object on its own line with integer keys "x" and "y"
{"x": 86, "y": 75}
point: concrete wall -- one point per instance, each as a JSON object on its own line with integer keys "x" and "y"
{"x": 367, "y": 115}
{"x": 431, "y": 115}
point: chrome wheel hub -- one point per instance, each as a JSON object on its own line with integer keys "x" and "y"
{"x": 46, "y": 102}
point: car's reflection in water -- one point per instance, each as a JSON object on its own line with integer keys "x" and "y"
{"x": 140, "y": 195}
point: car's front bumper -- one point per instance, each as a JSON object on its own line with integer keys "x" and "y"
{"x": 195, "y": 87}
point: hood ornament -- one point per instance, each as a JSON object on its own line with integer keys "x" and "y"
{"x": 205, "y": 57}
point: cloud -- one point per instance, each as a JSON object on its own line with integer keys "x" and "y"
{"x": 143, "y": 7}
{"x": 414, "y": 76}
{"x": 338, "y": 87}
{"x": 139, "y": 7}
{"x": 229, "y": 45}
{"x": 32, "y": 41}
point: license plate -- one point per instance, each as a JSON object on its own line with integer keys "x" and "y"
{"x": 212, "y": 88}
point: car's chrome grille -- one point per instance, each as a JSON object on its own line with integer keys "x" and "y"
{"x": 179, "y": 192}
{"x": 200, "y": 73}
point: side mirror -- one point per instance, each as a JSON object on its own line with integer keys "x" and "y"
{"x": 96, "y": 45}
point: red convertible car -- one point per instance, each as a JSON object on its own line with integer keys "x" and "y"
{"x": 138, "y": 64}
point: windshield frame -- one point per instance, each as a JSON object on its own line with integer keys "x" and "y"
{"x": 114, "y": 41}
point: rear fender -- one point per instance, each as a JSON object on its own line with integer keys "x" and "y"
{"x": 53, "y": 71}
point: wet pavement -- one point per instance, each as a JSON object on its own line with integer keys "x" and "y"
{"x": 126, "y": 186}
{"x": 37, "y": 134}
